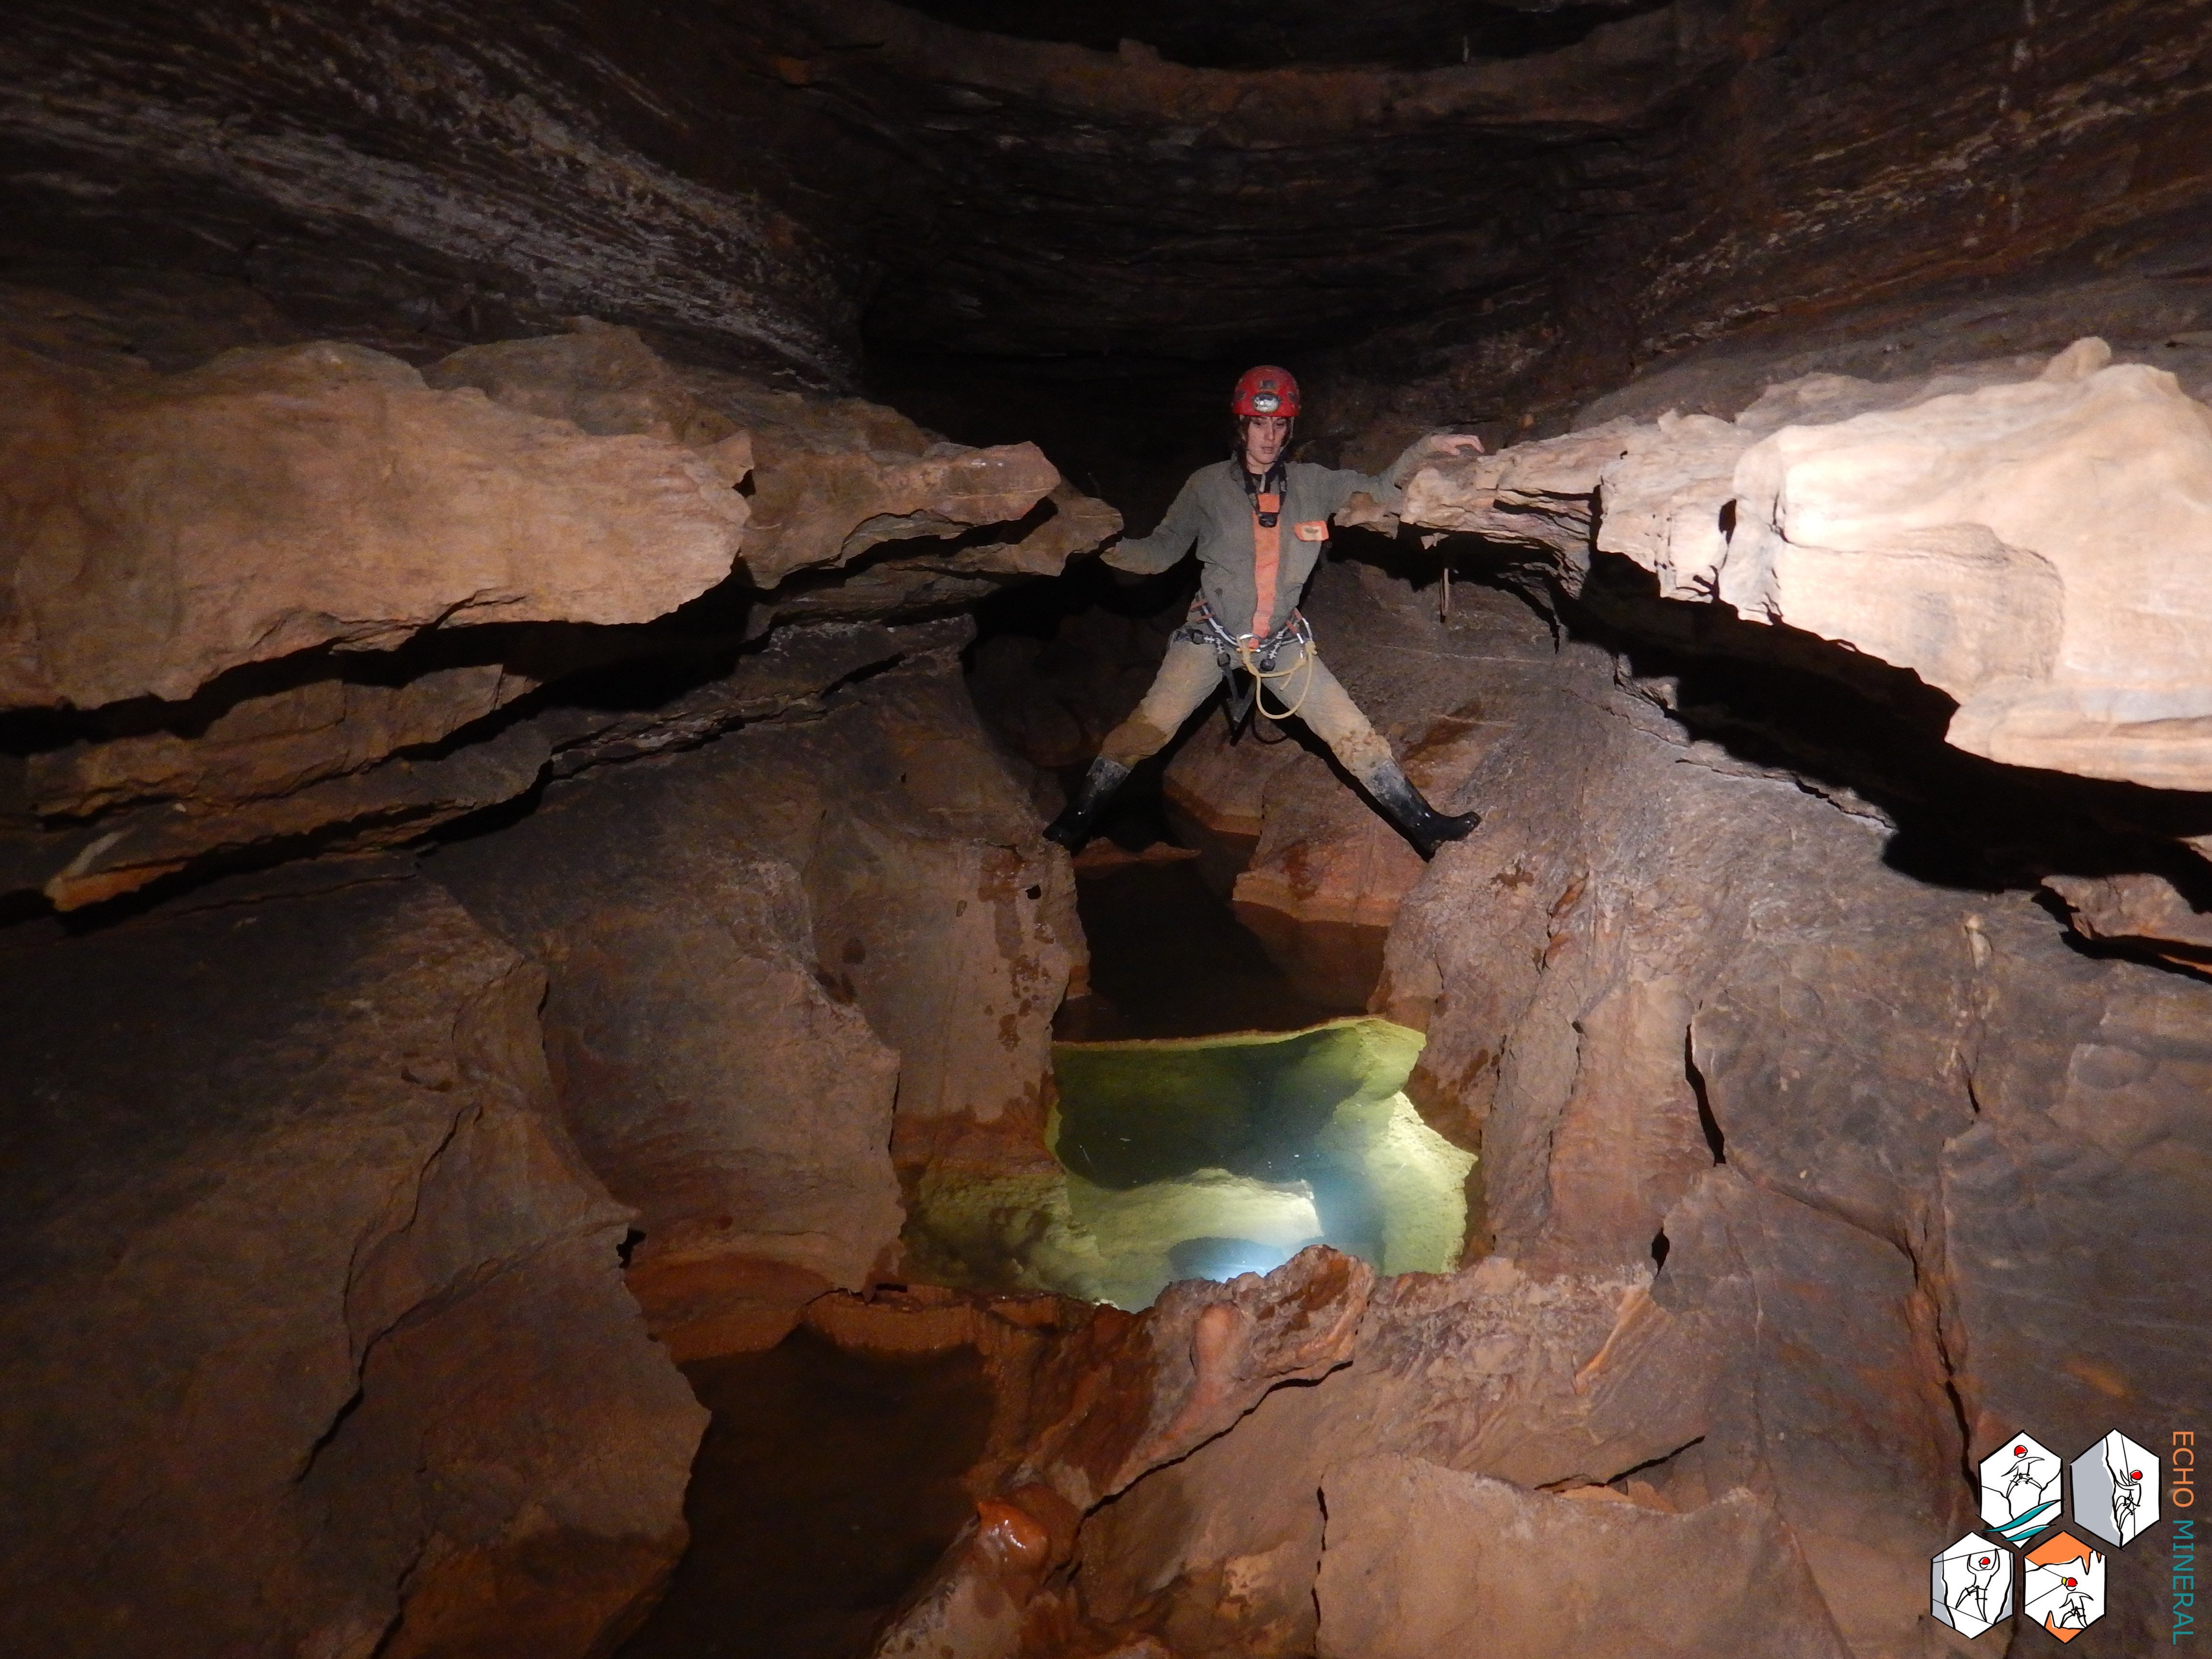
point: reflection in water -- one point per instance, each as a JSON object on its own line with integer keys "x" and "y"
{"x": 827, "y": 1484}
{"x": 1208, "y": 1157}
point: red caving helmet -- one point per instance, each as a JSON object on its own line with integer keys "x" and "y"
{"x": 1266, "y": 390}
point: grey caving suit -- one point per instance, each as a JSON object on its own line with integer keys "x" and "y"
{"x": 1248, "y": 602}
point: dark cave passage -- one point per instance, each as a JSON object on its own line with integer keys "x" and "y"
{"x": 828, "y": 1483}
{"x": 1170, "y": 959}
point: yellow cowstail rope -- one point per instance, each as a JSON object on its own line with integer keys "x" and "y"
{"x": 1249, "y": 656}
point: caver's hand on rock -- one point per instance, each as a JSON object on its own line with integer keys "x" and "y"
{"x": 1455, "y": 443}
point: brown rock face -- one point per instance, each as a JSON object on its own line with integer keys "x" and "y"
{"x": 2138, "y": 909}
{"x": 1755, "y": 1107}
{"x": 754, "y": 951}
{"x": 280, "y": 499}
{"x": 1320, "y": 875}
{"x": 2008, "y": 541}
{"x": 1439, "y": 1563}
{"x": 838, "y": 480}
{"x": 1122, "y": 1396}
{"x": 601, "y": 474}
{"x": 317, "y": 1336}
{"x": 278, "y": 744}
{"x": 1817, "y": 1154}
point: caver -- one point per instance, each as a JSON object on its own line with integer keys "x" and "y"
{"x": 1260, "y": 524}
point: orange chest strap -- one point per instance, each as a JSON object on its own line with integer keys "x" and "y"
{"x": 1266, "y": 559}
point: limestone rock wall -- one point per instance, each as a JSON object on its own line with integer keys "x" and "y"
{"x": 317, "y": 1338}
{"x": 302, "y": 598}
{"x": 169, "y": 528}
{"x": 352, "y": 1266}
{"x": 1540, "y": 202}
{"x": 426, "y": 175}
{"x": 778, "y": 963}
{"x": 1774, "y": 1137}
{"x": 2030, "y": 548}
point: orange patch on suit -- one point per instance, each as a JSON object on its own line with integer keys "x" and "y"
{"x": 1313, "y": 530}
{"x": 1266, "y": 560}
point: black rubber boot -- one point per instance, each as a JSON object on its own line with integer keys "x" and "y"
{"x": 1073, "y": 826}
{"x": 1421, "y": 824}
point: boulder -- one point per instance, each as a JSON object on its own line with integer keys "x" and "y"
{"x": 316, "y": 1338}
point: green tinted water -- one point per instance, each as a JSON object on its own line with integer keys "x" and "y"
{"x": 1209, "y": 1156}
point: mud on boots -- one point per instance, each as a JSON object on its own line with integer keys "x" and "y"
{"x": 1260, "y": 525}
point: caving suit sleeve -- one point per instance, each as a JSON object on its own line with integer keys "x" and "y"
{"x": 1149, "y": 555}
{"x": 1388, "y": 487}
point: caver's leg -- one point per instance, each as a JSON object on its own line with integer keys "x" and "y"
{"x": 1329, "y": 711}
{"x": 1187, "y": 678}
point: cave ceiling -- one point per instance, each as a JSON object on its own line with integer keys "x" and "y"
{"x": 799, "y": 176}
{"x": 1406, "y": 34}
{"x": 808, "y": 185}
{"x": 1132, "y": 203}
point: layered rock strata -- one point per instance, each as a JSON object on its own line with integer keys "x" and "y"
{"x": 258, "y": 580}
{"x": 2031, "y": 548}
{"x": 392, "y": 1390}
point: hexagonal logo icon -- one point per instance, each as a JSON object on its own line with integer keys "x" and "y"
{"x": 2020, "y": 1488}
{"x": 2064, "y": 1590}
{"x": 1970, "y": 1587}
{"x": 2116, "y": 1489}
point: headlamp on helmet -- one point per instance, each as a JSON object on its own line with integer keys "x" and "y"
{"x": 1266, "y": 390}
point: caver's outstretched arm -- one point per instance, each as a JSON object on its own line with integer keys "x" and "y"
{"x": 1388, "y": 487}
{"x": 1149, "y": 555}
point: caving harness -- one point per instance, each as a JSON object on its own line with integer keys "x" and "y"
{"x": 1259, "y": 653}
{"x": 1261, "y": 657}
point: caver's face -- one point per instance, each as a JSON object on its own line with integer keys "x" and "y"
{"x": 1264, "y": 438}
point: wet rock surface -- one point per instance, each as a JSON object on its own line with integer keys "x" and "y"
{"x": 1755, "y": 1109}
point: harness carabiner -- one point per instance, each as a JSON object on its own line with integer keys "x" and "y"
{"x": 1259, "y": 657}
